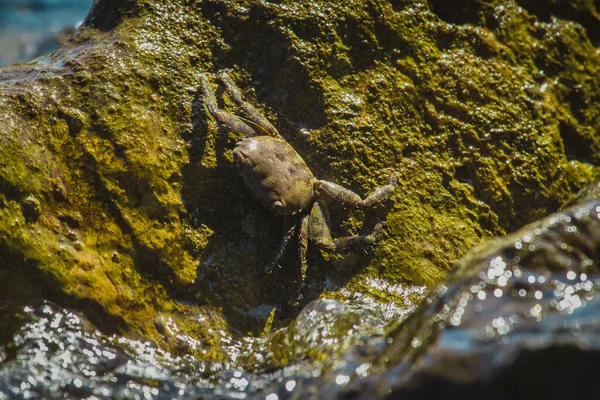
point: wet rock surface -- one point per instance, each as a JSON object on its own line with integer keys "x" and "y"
{"x": 118, "y": 200}
{"x": 59, "y": 354}
{"x": 518, "y": 318}
{"x": 515, "y": 313}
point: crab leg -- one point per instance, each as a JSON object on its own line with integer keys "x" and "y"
{"x": 233, "y": 122}
{"x": 321, "y": 235}
{"x": 302, "y": 250}
{"x": 255, "y": 117}
{"x": 351, "y": 199}
{"x": 289, "y": 228}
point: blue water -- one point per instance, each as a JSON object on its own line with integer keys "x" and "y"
{"x": 31, "y": 28}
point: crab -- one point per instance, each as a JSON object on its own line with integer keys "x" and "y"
{"x": 278, "y": 176}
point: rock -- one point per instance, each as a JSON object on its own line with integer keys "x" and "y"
{"x": 517, "y": 319}
{"x": 515, "y": 311}
{"x": 489, "y": 123}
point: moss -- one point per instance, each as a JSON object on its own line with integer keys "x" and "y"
{"x": 488, "y": 121}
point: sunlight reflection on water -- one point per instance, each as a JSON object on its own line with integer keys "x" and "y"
{"x": 30, "y": 28}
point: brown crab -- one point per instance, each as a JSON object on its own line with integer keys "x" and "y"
{"x": 281, "y": 180}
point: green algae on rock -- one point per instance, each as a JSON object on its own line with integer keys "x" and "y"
{"x": 513, "y": 311}
{"x": 117, "y": 195}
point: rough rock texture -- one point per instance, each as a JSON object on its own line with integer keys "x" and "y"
{"x": 517, "y": 318}
{"x": 514, "y": 312}
{"x": 117, "y": 194}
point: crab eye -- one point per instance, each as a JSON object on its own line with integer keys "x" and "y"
{"x": 277, "y": 207}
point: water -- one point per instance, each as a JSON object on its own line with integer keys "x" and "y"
{"x": 518, "y": 318}
{"x": 57, "y": 353}
{"x": 31, "y": 28}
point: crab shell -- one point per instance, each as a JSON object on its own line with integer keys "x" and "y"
{"x": 275, "y": 173}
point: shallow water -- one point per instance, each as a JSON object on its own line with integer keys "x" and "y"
{"x": 519, "y": 317}
{"x": 58, "y": 354}
{"x": 31, "y": 28}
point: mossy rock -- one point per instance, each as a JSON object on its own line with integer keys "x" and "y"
{"x": 117, "y": 192}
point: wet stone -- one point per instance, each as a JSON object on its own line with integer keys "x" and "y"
{"x": 488, "y": 119}
{"x": 518, "y": 317}
{"x": 515, "y": 312}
